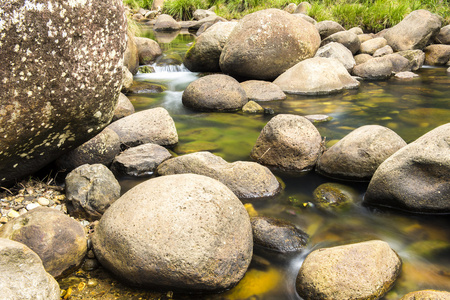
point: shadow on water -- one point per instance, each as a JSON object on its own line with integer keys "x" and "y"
{"x": 409, "y": 107}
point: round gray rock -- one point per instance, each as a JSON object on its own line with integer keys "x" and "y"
{"x": 360, "y": 271}
{"x": 278, "y": 235}
{"x": 327, "y": 28}
{"x": 91, "y": 190}
{"x": 266, "y": 43}
{"x": 357, "y": 155}
{"x": 153, "y": 125}
{"x": 417, "y": 177}
{"x": 165, "y": 22}
{"x": 246, "y": 179}
{"x": 214, "y": 93}
{"x": 288, "y": 142}
{"x": 339, "y": 52}
{"x": 180, "y": 232}
{"x": 140, "y": 160}
{"x": 346, "y": 38}
{"x": 60, "y": 79}
{"x": 443, "y": 36}
{"x": 377, "y": 68}
{"x": 101, "y": 149}
{"x": 258, "y": 90}
{"x": 316, "y": 76}
{"x": 124, "y": 108}
{"x": 148, "y": 50}
{"x": 22, "y": 275}
{"x": 362, "y": 58}
{"x": 59, "y": 240}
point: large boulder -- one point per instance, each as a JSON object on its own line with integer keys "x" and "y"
{"x": 204, "y": 54}
{"x": 216, "y": 92}
{"x": 358, "y": 154}
{"x": 416, "y": 178}
{"x": 246, "y": 179}
{"x": 377, "y": 68}
{"x": 316, "y": 76}
{"x": 346, "y": 38}
{"x": 339, "y": 52}
{"x": 60, "y": 78}
{"x": 22, "y": 275}
{"x": 427, "y": 295}
{"x": 360, "y": 271}
{"x": 91, "y": 189}
{"x": 153, "y": 125}
{"x": 180, "y": 232}
{"x": 266, "y": 43}
{"x": 259, "y": 90}
{"x": 59, "y": 240}
{"x": 289, "y": 143}
{"x": 414, "y": 31}
{"x": 148, "y": 50}
{"x": 437, "y": 55}
{"x": 327, "y": 28}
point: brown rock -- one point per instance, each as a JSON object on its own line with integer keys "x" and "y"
{"x": 148, "y": 50}
{"x": 427, "y": 295}
{"x": 437, "y": 55}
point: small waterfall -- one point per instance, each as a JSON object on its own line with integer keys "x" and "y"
{"x": 169, "y": 68}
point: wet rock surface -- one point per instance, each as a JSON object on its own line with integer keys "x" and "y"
{"x": 334, "y": 196}
{"x": 259, "y": 90}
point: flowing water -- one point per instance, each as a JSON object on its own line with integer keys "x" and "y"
{"x": 409, "y": 107}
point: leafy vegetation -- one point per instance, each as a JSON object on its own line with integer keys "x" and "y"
{"x": 370, "y": 15}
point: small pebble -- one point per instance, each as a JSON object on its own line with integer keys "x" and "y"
{"x": 43, "y": 201}
{"x": 92, "y": 282}
{"x": 84, "y": 223}
{"x": 32, "y": 206}
{"x": 13, "y": 214}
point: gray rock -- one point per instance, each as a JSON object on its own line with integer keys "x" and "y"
{"x": 179, "y": 232}
{"x": 124, "y": 108}
{"x": 416, "y": 58}
{"x": 443, "y": 36}
{"x": 290, "y": 8}
{"x": 365, "y": 37}
{"x": 101, "y": 149}
{"x": 364, "y": 270}
{"x": 22, "y": 275}
{"x": 339, "y": 52}
{"x": 195, "y": 25}
{"x": 278, "y": 235}
{"x": 252, "y": 108}
{"x": 204, "y": 54}
{"x": 127, "y": 80}
{"x": 372, "y": 45}
{"x": 245, "y": 179}
{"x": 214, "y": 93}
{"x": 148, "y": 126}
{"x": 148, "y": 50}
{"x": 140, "y": 160}
{"x": 362, "y": 58}
{"x": 356, "y": 30}
{"x": 59, "y": 85}
{"x": 405, "y": 75}
{"x": 327, "y": 28}
{"x": 151, "y": 14}
{"x": 289, "y": 143}
{"x": 316, "y": 76}
{"x": 346, "y": 38}
{"x": 306, "y": 18}
{"x": 91, "y": 189}
{"x": 378, "y": 68}
{"x": 258, "y": 90}
{"x": 202, "y": 13}
{"x": 383, "y": 51}
{"x": 427, "y": 294}
{"x": 414, "y": 31}
{"x": 417, "y": 177}
{"x": 59, "y": 240}
{"x": 357, "y": 155}
{"x": 437, "y": 55}
{"x": 254, "y": 48}
{"x": 165, "y": 22}
{"x": 203, "y": 28}
{"x": 302, "y": 8}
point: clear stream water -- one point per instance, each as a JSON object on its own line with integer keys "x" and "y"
{"x": 409, "y": 107}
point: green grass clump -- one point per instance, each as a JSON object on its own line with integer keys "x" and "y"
{"x": 136, "y": 4}
{"x": 183, "y": 9}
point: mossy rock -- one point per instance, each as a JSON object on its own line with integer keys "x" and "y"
{"x": 334, "y": 196}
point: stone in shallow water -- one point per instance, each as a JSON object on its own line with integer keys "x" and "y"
{"x": 252, "y": 107}
{"x": 406, "y": 75}
{"x": 259, "y": 90}
{"x": 427, "y": 295}
{"x": 334, "y": 196}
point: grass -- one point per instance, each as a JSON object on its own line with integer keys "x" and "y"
{"x": 370, "y": 15}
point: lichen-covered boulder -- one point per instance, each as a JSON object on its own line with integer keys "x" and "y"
{"x": 101, "y": 149}
{"x": 417, "y": 177}
{"x": 216, "y": 92}
{"x": 346, "y": 38}
{"x": 278, "y": 235}
{"x": 327, "y": 28}
{"x": 59, "y": 240}
{"x": 414, "y": 31}
{"x": 437, "y": 55}
{"x": 179, "y": 232}
{"x": 339, "y": 52}
{"x": 60, "y": 78}
{"x": 259, "y": 90}
{"x": 91, "y": 189}
{"x": 288, "y": 142}
{"x": 316, "y": 76}
{"x": 204, "y": 54}
{"x": 357, "y": 155}
{"x": 22, "y": 275}
{"x": 246, "y": 179}
{"x": 148, "y": 50}
{"x": 266, "y": 43}
{"x": 377, "y": 68}
{"x": 427, "y": 295}
{"x": 360, "y": 271}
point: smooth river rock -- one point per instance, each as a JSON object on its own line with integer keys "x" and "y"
{"x": 358, "y": 271}
{"x": 346, "y": 38}
{"x": 327, "y": 28}
{"x": 178, "y": 232}
{"x": 246, "y": 179}
{"x": 437, "y": 55}
{"x": 427, "y": 295}
{"x": 339, "y": 52}
{"x": 417, "y": 177}
{"x": 60, "y": 78}
{"x": 259, "y": 90}
{"x": 148, "y": 50}
{"x": 378, "y": 68}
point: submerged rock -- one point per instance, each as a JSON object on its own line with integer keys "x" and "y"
{"x": 252, "y": 108}
{"x": 364, "y": 270}
{"x": 22, "y": 275}
{"x": 179, "y": 232}
{"x": 278, "y": 235}
{"x": 288, "y": 142}
{"x": 358, "y": 154}
{"x": 59, "y": 240}
{"x": 417, "y": 177}
{"x": 246, "y": 179}
{"x": 334, "y": 196}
